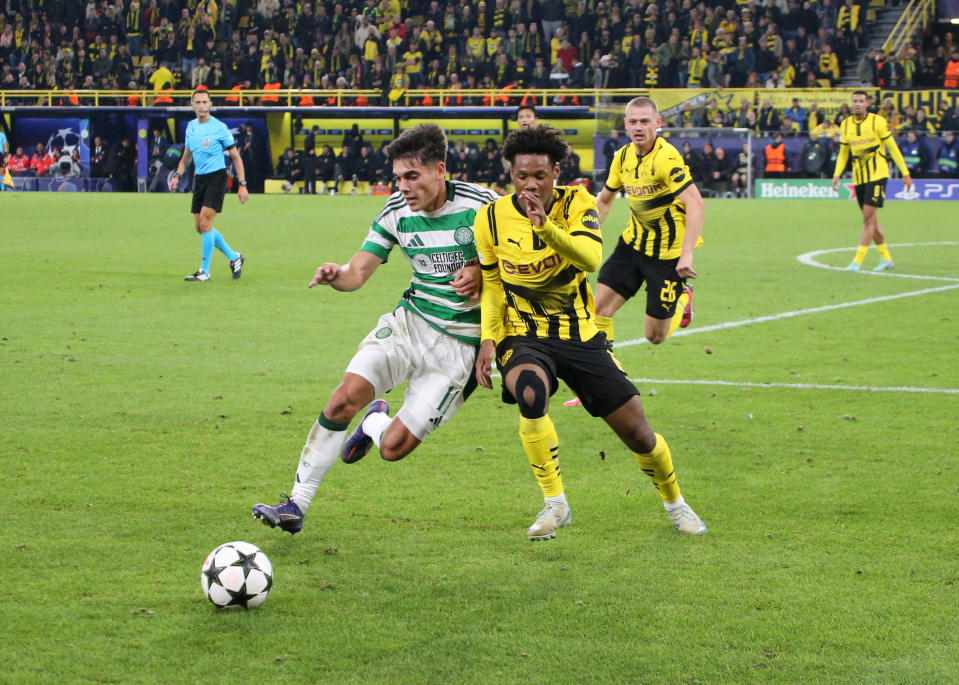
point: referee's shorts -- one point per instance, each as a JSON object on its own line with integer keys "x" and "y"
{"x": 209, "y": 191}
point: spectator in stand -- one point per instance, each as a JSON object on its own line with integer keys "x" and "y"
{"x": 951, "y": 71}
{"x": 489, "y": 169}
{"x": 98, "y": 158}
{"x": 569, "y": 168}
{"x": 288, "y": 167}
{"x": 41, "y": 161}
{"x": 461, "y": 166}
{"x": 915, "y": 155}
{"x": 815, "y": 156}
{"x": 365, "y": 164}
{"x": 768, "y": 117}
{"x": 740, "y": 176}
{"x": 722, "y": 173}
{"x": 308, "y": 161}
{"x": 775, "y": 162}
{"x": 18, "y": 163}
{"x": 121, "y": 166}
{"x": 948, "y": 157}
{"x": 947, "y": 119}
{"x": 326, "y": 168}
{"x": 922, "y": 124}
{"x": 344, "y": 168}
{"x": 795, "y": 117}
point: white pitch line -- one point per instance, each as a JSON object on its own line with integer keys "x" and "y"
{"x": 808, "y": 258}
{"x": 789, "y": 315}
{"x": 799, "y": 386}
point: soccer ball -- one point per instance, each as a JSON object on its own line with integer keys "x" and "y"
{"x": 237, "y": 574}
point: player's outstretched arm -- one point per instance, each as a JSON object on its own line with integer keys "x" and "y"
{"x": 185, "y": 161}
{"x": 350, "y": 276}
{"x": 695, "y": 216}
{"x": 604, "y": 202}
{"x": 243, "y": 194}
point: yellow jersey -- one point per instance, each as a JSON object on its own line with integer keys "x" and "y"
{"x": 653, "y": 183}
{"x": 534, "y": 278}
{"x": 868, "y": 141}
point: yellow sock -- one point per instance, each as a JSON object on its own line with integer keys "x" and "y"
{"x": 884, "y": 252}
{"x": 542, "y": 449}
{"x": 860, "y": 254}
{"x": 678, "y": 314}
{"x": 605, "y": 324}
{"x": 658, "y": 465}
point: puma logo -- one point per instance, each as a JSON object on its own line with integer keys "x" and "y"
{"x": 516, "y": 242}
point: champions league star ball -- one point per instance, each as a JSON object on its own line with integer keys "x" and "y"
{"x": 237, "y": 574}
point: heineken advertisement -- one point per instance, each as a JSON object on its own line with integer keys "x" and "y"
{"x": 821, "y": 189}
{"x": 801, "y": 189}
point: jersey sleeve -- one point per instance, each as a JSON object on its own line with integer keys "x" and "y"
{"x": 885, "y": 138}
{"x": 671, "y": 169}
{"x": 381, "y": 238}
{"x": 615, "y": 179}
{"x": 492, "y": 297}
{"x": 226, "y": 138}
{"x": 582, "y": 242}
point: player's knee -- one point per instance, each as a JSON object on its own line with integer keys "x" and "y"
{"x": 657, "y": 337}
{"x": 397, "y": 442}
{"x": 531, "y": 394}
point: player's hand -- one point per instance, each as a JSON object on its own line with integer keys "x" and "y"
{"x": 684, "y": 267}
{"x": 466, "y": 282}
{"x": 835, "y": 183}
{"x": 484, "y": 363}
{"x": 173, "y": 182}
{"x": 243, "y": 194}
{"x": 533, "y": 207}
{"x": 907, "y": 181}
{"x": 326, "y": 274}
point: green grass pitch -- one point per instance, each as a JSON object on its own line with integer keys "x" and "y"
{"x": 812, "y": 415}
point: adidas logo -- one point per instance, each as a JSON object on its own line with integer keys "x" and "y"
{"x": 436, "y": 421}
{"x": 416, "y": 241}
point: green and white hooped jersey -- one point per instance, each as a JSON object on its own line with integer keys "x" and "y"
{"x": 436, "y": 245}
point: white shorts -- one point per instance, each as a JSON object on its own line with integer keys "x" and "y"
{"x": 438, "y": 368}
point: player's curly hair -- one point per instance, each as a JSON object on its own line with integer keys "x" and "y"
{"x": 541, "y": 140}
{"x": 424, "y": 142}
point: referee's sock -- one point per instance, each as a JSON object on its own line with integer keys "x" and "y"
{"x": 861, "y": 254}
{"x": 208, "y": 242}
{"x": 222, "y": 246}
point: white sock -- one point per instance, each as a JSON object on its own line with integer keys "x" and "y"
{"x": 558, "y": 499}
{"x": 320, "y": 452}
{"x": 375, "y": 425}
{"x": 673, "y": 506}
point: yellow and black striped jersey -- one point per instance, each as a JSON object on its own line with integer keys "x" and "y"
{"x": 868, "y": 141}
{"x": 534, "y": 278}
{"x": 653, "y": 182}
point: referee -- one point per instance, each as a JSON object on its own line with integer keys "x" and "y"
{"x": 207, "y": 138}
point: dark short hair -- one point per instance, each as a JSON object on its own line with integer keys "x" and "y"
{"x": 531, "y": 108}
{"x": 424, "y": 142}
{"x": 861, "y": 92}
{"x": 541, "y": 140}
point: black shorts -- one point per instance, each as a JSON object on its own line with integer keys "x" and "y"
{"x": 588, "y": 368}
{"x": 872, "y": 193}
{"x": 208, "y": 191}
{"x": 626, "y": 269}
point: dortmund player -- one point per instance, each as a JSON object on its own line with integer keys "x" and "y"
{"x": 665, "y": 224}
{"x": 428, "y": 341}
{"x": 866, "y": 137}
{"x": 536, "y": 247}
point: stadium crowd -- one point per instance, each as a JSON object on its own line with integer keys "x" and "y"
{"x": 397, "y": 45}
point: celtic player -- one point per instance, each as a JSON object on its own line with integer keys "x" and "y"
{"x": 429, "y": 340}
